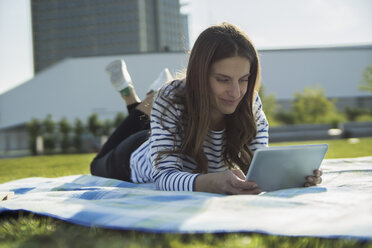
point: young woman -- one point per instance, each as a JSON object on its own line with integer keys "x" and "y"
{"x": 202, "y": 130}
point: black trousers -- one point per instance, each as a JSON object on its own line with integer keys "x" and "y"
{"x": 113, "y": 160}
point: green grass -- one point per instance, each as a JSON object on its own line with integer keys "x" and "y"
{"x": 341, "y": 148}
{"x": 28, "y": 230}
{"x": 44, "y": 166}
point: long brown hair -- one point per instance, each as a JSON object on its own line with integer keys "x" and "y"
{"x": 213, "y": 44}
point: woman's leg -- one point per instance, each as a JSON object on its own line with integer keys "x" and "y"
{"x": 137, "y": 120}
{"x": 113, "y": 159}
{"x": 116, "y": 163}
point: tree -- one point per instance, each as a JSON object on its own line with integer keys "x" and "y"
{"x": 49, "y": 134}
{"x": 78, "y": 132}
{"x": 284, "y": 117}
{"x": 269, "y": 105}
{"x": 106, "y": 127}
{"x": 34, "y": 130}
{"x": 94, "y": 125}
{"x": 366, "y": 82}
{"x": 65, "y": 128}
{"x": 312, "y": 106}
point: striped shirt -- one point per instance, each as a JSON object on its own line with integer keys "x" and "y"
{"x": 174, "y": 172}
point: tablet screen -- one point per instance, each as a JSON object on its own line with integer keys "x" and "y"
{"x": 282, "y": 167}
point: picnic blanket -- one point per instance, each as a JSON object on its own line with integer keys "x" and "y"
{"x": 340, "y": 207}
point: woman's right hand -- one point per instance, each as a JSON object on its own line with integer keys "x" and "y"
{"x": 227, "y": 182}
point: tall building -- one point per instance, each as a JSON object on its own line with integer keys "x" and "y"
{"x": 81, "y": 28}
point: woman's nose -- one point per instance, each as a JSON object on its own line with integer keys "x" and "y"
{"x": 234, "y": 90}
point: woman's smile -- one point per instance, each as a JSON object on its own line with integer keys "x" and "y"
{"x": 230, "y": 102}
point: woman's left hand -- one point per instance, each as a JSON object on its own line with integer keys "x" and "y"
{"x": 314, "y": 180}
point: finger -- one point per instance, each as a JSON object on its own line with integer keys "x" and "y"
{"x": 237, "y": 191}
{"x": 308, "y": 184}
{"x": 255, "y": 191}
{"x": 318, "y": 180}
{"x": 242, "y": 184}
{"x": 318, "y": 173}
{"x": 310, "y": 179}
{"x": 238, "y": 173}
{"x": 314, "y": 180}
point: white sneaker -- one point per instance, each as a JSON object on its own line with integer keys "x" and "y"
{"x": 164, "y": 77}
{"x": 119, "y": 75}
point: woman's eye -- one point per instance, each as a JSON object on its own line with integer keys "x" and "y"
{"x": 222, "y": 80}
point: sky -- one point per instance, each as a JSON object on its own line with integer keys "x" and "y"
{"x": 269, "y": 23}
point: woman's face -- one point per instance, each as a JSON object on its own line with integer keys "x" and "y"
{"x": 228, "y": 81}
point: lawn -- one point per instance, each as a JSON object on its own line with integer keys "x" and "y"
{"x": 340, "y": 148}
{"x": 27, "y": 230}
{"x": 44, "y": 166}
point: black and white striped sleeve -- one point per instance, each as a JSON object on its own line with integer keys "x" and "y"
{"x": 168, "y": 174}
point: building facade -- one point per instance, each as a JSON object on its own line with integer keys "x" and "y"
{"x": 82, "y": 28}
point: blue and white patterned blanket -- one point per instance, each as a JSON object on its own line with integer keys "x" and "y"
{"x": 340, "y": 207}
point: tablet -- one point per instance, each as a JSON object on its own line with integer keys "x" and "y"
{"x": 282, "y": 167}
